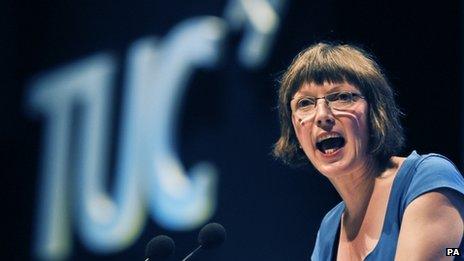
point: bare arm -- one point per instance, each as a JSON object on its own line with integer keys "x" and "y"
{"x": 431, "y": 223}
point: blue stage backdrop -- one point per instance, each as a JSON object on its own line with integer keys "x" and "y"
{"x": 123, "y": 120}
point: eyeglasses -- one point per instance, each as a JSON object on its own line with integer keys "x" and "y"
{"x": 306, "y": 105}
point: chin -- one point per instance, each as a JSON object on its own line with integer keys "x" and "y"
{"x": 332, "y": 170}
{"x": 335, "y": 164}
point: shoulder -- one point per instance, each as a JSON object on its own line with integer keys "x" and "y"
{"x": 432, "y": 172}
{"x": 329, "y": 224}
{"x": 433, "y": 219}
{"x": 327, "y": 233}
{"x": 435, "y": 161}
{"x": 332, "y": 218}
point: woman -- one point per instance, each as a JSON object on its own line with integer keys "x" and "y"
{"x": 337, "y": 110}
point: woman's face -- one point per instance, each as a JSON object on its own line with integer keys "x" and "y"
{"x": 334, "y": 140}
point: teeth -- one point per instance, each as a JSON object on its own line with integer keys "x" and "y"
{"x": 325, "y": 148}
{"x": 330, "y": 151}
{"x": 327, "y": 136}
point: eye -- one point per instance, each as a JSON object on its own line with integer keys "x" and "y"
{"x": 341, "y": 97}
{"x": 305, "y": 102}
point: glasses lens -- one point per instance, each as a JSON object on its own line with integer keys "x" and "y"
{"x": 303, "y": 105}
{"x": 306, "y": 103}
{"x": 340, "y": 100}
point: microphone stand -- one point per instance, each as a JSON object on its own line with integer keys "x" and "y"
{"x": 191, "y": 254}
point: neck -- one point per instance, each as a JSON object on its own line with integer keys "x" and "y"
{"x": 356, "y": 190}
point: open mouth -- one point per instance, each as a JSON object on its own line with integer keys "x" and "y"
{"x": 330, "y": 145}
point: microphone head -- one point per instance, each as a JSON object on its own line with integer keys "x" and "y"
{"x": 159, "y": 248}
{"x": 212, "y": 235}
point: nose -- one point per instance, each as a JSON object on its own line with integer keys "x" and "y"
{"x": 324, "y": 117}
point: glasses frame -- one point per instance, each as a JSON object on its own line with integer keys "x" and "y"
{"x": 353, "y": 94}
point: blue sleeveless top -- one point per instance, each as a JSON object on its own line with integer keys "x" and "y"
{"x": 417, "y": 175}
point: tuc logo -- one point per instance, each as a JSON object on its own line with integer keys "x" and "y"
{"x": 149, "y": 176}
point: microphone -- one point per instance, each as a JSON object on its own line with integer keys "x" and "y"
{"x": 210, "y": 236}
{"x": 159, "y": 248}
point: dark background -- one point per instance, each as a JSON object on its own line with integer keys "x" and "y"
{"x": 271, "y": 211}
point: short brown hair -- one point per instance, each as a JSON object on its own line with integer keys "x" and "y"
{"x": 337, "y": 63}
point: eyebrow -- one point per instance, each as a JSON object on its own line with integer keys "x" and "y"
{"x": 335, "y": 88}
